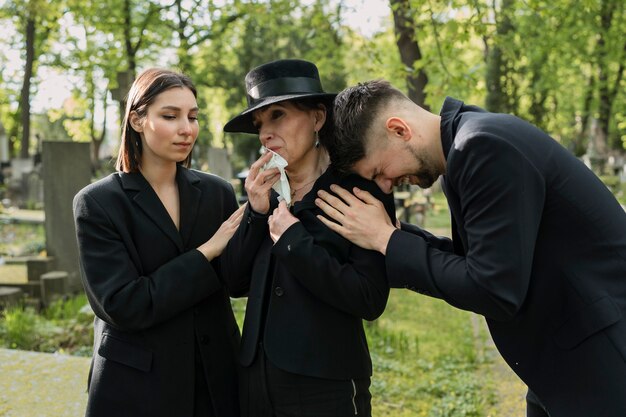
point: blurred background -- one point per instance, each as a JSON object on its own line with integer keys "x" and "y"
{"x": 65, "y": 65}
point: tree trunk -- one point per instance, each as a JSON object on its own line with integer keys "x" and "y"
{"x": 497, "y": 78}
{"x": 604, "y": 101}
{"x": 184, "y": 58}
{"x": 25, "y": 93}
{"x": 130, "y": 51}
{"x": 409, "y": 49}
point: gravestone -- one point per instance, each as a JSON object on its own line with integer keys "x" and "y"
{"x": 10, "y": 296}
{"x": 53, "y": 286}
{"x": 66, "y": 169}
{"x": 219, "y": 163}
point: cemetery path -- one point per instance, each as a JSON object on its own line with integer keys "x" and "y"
{"x": 36, "y": 384}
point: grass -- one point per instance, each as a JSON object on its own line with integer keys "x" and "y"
{"x": 64, "y": 327}
{"x": 424, "y": 358}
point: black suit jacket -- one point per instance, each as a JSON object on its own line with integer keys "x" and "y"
{"x": 317, "y": 286}
{"x": 155, "y": 296}
{"x": 539, "y": 249}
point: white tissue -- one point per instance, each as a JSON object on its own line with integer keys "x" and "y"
{"x": 282, "y": 185}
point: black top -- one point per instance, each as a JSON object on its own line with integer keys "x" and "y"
{"x": 323, "y": 287}
{"x": 539, "y": 248}
{"x": 157, "y": 299}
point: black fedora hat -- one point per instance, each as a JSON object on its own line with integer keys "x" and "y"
{"x": 276, "y": 81}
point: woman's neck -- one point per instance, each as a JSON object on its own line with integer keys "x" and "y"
{"x": 303, "y": 175}
{"x": 159, "y": 176}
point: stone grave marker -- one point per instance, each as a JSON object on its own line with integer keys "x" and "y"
{"x": 66, "y": 169}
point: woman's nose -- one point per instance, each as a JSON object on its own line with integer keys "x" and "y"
{"x": 185, "y": 127}
{"x": 264, "y": 136}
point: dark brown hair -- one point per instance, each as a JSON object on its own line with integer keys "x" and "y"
{"x": 146, "y": 87}
{"x": 354, "y": 112}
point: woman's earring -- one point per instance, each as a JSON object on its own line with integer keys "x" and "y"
{"x": 317, "y": 139}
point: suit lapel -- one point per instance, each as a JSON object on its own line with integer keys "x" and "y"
{"x": 189, "y": 196}
{"x": 149, "y": 203}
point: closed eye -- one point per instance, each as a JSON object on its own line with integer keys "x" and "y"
{"x": 276, "y": 114}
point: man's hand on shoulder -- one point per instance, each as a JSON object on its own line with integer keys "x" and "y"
{"x": 359, "y": 217}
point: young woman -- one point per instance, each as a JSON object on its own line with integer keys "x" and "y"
{"x": 304, "y": 351}
{"x": 149, "y": 236}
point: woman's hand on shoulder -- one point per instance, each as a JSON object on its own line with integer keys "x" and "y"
{"x": 214, "y": 246}
{"x": 259, "y": 182}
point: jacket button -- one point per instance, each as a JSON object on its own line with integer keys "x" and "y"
{"x": 289, "y": 248}
{"x": 279, "y": 291}
{"x": 204, "y": 339}
{"x": 249, "y": 220}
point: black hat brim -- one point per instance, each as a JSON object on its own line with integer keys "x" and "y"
{"x": 242, "y": 123}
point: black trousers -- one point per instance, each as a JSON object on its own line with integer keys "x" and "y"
{"x": 267, "y": 391}
{"x": 534, "y": 408}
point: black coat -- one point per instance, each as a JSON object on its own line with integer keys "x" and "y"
{"x": 155, "y": 296}
{"x": 317, "y": 286}
{"x": 539, "y": 249}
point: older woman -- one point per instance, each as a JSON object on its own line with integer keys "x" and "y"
{"x": 304, "y": 351}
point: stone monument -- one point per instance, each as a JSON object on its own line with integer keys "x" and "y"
{"x": 66, "y": 169}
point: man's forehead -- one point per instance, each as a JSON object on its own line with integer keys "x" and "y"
{"x": 366, "y": 166}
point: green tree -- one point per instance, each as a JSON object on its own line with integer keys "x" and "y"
{"x": 265, "y": 31}
{"x": 36, "y": 22}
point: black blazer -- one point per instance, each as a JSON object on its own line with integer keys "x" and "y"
{"x": 539, "y": 249}
{"x": 155, "y": 296}
{"x": 317, "y": 286}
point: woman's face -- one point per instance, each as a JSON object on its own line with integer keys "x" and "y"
{"x": 288, "y": 130}
{"x": 170, "y": 127}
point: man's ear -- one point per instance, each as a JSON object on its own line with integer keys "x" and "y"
{"x": 397, "y": 128}
{"x": 135, "y": 122}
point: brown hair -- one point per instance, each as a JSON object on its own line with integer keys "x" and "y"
{"x": 146, "y": 87}
{"x": 355, "y": 110}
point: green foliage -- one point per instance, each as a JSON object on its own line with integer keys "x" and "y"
{"x": 557, "y": 64}
{"x": 424, "y": 359}
{"x": 17, "y": 329}
{"x": 66, "y": 327}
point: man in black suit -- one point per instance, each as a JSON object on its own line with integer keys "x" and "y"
{"x": 538, "y": 242}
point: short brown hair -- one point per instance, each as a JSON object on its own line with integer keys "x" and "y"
{"x": 146, "y": 87}
{"x": 355, "y": 110}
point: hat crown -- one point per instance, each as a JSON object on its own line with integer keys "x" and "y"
{"x": 281, "y": 78}
{"x": 277, "y": 81}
